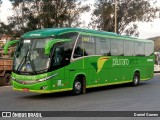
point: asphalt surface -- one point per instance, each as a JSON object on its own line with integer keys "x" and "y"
{"x": 145, "y": 97}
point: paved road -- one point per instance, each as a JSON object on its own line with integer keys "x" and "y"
{"x": 145, "y": 97}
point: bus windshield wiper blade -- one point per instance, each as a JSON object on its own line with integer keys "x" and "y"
{"x": 23, "y": 59}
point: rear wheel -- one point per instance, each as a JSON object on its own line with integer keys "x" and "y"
{"x": 136, "y": 79}
{"x": 6, "y": 80}
{"x": 77, "y": 86}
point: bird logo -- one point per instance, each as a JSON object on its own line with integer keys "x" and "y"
{"x": 101, "y": 62}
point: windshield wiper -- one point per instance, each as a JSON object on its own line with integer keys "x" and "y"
{"x": 22, "y": 61}
{"x": 32, "y": 66}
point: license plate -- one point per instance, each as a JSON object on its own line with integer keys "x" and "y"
{"x": 25, "y": 90}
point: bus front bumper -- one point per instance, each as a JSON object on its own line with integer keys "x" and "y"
{"x": 40, "y": 87}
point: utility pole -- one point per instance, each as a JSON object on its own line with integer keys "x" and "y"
{"x": 23, "y": 14}
{"x": 0, "y": 10}
{"x": 115, "y": 17}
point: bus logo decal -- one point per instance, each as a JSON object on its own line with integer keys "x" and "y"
{"x": 117, "y": 62}
{"x": 101, "y": 62}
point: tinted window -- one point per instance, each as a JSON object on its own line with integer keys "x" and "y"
{"x": 128, "y": 48}
{"x": 102, "y": 46}
{"x": 89, "y": 45}
{"x": 139, "y": 49}
{"x": 149, "y": 49}
{"x": 117, "y": 47}
{"x": 78, "y": 52}
{"x": 68, "y": 46}
{"x": 59, "y": 58}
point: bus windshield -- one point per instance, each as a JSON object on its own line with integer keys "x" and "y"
{"x": 30, "y": 56}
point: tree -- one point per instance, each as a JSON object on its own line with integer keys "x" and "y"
{"x": 128, "y": 13}
{"x": 36, "y": 14}
{"x": 5, "y": 29}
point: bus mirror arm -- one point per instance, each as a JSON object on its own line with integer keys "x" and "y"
{"x": 51, "y": 43}
{"x": 8, "y": 44}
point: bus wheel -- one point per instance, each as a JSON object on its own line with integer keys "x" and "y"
{"x": 6, "y": 80}
{"x": 77, "y": 86}
{"x": 136, "y": 79}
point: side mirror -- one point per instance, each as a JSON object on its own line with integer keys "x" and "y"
{"x": 50, "y": 44}
{"x": 8, "y": 44}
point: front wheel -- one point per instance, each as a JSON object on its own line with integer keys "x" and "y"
{"x": 136, "y": 79}
{"x": 77, "y": 86}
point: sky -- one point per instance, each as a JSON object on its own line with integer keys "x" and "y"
{"x": 5, "y": 10}
{"x": 146, "y": 30}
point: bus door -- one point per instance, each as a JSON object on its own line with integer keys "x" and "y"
{"x": 58, "y": 65}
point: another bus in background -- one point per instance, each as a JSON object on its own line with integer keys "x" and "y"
{"x": 157, "y": 62}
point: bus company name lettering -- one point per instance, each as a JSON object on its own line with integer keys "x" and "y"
{"x": 117, "y": 62}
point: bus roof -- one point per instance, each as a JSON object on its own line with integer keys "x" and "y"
{"x": 48, "y": 32}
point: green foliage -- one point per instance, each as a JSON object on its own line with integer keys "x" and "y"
{"x": 35, "y": 14}
{"x": 5, "y": 29}
{"x": 128, "y": 13}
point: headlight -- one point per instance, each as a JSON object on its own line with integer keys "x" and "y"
{"x": 33, "y": 81}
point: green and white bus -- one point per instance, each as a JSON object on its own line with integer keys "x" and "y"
{"x": 63, "y": 59}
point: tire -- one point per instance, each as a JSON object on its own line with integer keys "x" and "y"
{"x": 6, "y": 80}
{"x": 77, "y": 86}
{"x": 136, "y": 79}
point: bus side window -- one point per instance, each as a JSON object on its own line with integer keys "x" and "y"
{"x": 57, "y": 59}
{"x": 68, "y": 47}
{"x": 59, "y": 56}
{"x": 117, "y": 47}
{"x": 139, "y": 49}
{"x": 89, "y": 45}
{"x": 79, "y": 48}
{"x": 149, "y": 49}
{"x": 129, "y": 48}
{"x": 102, "y": 46}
